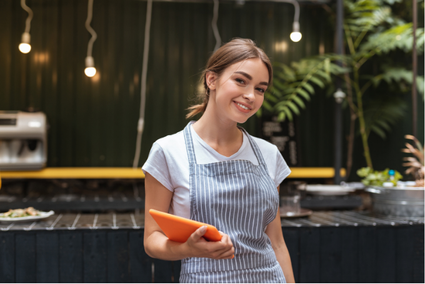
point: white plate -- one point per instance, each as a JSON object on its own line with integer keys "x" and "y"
{"x": 42, "y": 215}
{"x": 303, "y": 212}
{"x": 328, "y": 189}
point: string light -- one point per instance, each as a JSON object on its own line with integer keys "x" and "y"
{"x": 90, "y": 70}
{"x": 295, "y": 35}
{"x": 25, "y": 45}
{"x": 214, "y": 26}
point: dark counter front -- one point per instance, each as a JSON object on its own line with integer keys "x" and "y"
{"x": 334, "y": 246}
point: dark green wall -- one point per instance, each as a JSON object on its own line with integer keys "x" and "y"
{"x": 93, "y": 121}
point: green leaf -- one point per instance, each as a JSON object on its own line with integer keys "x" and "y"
{"x": 303, "y": 93}
{"x": 378, "y": 131}
{"x": 308, "y": 87}
{"x": 398, "y": 37}
{"x": 324, "y": 75}
{"x": 293, "y": 107}
{"x": 363, "y": 172}
{"x": 281, "y": 116}
{"x": 267, "y": 106}
{"x": 384, "y": 124}
{"x": 381, "y": 112}
{"x": 279, "y": 85}
{"x": 399, "y": 75}
{"x": 299, "y": 101}
{"x": 259, "y": 112}
{"x": 317, "y": 81}
{"x": 288, "y": 113}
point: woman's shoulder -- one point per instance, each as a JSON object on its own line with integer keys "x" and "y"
{"x": 264, "y": 145}
{"x": 171, "y": 141}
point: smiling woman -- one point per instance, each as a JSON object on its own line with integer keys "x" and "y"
{"x": 233, "y": 52}
{"x": 216, "y": 173}
{"x": 238, "y": 92}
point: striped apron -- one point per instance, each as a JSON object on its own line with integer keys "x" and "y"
{"x": 239, "y": 199}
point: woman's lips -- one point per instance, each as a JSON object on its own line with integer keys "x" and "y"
{"x": 242, "y": 107}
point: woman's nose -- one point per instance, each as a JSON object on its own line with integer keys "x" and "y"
{"x": 249, "y": 94}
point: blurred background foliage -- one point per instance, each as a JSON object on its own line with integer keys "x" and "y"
{"x": 375, "y": 69}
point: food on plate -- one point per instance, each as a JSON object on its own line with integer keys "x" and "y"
{"x": 18, "y": 213}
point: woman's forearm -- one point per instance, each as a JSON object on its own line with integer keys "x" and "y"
{"x": 284, "y": 260}
{"x": 157, "y": 245}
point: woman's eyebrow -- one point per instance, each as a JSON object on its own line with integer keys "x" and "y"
{"x": 250, "y": 77}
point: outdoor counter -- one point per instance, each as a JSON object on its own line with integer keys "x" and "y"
{"x": 137, "y": 173}
{"x": 332, "y": 246}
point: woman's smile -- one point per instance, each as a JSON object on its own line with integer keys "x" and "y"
{"x": 243, "y": 107}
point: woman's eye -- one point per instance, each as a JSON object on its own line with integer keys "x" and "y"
{"x": 261, "y": 90}
{"x": 240, "y": 81}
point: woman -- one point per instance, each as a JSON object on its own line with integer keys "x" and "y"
{"x": 215, "y": 172}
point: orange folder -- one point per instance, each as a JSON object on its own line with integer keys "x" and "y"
{"x": 179, "y": 229}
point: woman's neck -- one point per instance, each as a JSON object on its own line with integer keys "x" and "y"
{"x": 223, "y": 136}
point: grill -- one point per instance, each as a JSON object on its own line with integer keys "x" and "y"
{"x": 115, "y": 221}
{"x": 73, "y": 195}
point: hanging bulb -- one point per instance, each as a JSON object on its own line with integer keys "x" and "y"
{"x": 90, "y": 71}
{"x": 296, "y": 35}
{"x": 25, "y": 46}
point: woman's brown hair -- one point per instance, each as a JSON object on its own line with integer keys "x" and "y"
{"x": 230, "y": 53}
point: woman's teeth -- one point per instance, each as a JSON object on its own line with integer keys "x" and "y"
{"x": 242, "y": 106}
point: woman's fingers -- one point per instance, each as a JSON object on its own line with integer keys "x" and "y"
{"x": 229, "y": 250}
{"x": 199, "y": 233}
{"x": 218, "y": 250}
{"x": 224, "y": 248}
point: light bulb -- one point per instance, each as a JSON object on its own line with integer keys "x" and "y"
{"x": 296, "y": 35}
{"x": 90, "y": 71}
{"x": 25, "y": 46}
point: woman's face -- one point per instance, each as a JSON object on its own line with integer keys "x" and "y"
{"x": 239, "y": 90}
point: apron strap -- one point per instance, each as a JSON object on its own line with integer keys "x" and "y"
{"x": 191, "y": 150}
{"x": 189, "y": 144}
{"x": 255, "y": 148}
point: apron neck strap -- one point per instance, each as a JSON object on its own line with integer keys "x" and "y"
{"x": 191, "y": 150}
{"x": 189, "y": 144}
{"x": 255, "y": 148}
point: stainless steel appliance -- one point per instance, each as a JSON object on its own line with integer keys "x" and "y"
{"x": 398, "y": 201}
{"x": 23, "y": 140}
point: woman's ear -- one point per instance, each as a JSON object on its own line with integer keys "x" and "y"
{"x": 211, "y": 79}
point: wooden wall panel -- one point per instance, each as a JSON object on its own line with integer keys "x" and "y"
{"x": 93, "y": 121}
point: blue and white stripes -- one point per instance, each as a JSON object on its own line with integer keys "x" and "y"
{"x": 240, "y": 199}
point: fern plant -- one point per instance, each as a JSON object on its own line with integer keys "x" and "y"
{"x": 295, "y": 84}
{"x": 371, "y": 30}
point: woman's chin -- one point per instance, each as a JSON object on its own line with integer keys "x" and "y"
{"x": 242, "y": 120}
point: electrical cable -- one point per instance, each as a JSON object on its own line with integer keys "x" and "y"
{"x": 89, "y": 28}
{"x": 214, "y": 26}
{"x": 29, "y": 18}
{"x": 141, "y": 122}
{"x": 25, "y": 45}
{"x": 295, "y": 35}
{"x": 296, "y": 6}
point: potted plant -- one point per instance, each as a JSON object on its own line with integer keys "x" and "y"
{"x": 372, "y": 31}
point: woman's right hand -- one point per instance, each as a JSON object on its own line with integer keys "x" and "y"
{"x": 198, "y": 246}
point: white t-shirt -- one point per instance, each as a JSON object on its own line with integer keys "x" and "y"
{"x": 168, "y": 163}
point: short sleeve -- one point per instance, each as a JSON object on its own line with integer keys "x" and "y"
{"x": 156, "y": 165}
{"x": 282, "y": 169}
